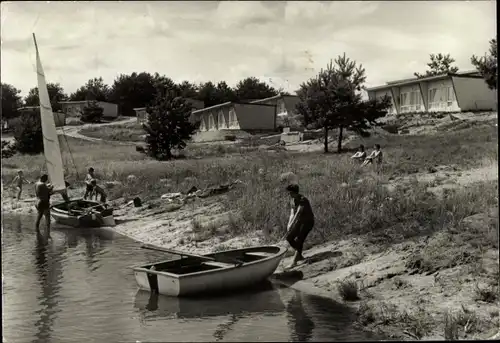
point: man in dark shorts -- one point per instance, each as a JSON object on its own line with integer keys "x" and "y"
{"x": 43, "y": 193}
{"x": 300, "y": 223}
{"x": 88, "y": 181}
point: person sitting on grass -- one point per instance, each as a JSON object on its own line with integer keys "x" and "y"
{"x": 375, "y": 155}
{"x": 19, "y": 180}
{"x": 360, "y": 155}
{"x": 88, "y": 181}
{"x": 300, "y": 223}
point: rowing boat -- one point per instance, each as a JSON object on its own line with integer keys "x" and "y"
{"x": 192, "y": 274}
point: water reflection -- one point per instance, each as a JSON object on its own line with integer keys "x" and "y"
{"x": 263, "y": 299}
{"x": 300, "y": 324}
{"x": 49, "y": 273}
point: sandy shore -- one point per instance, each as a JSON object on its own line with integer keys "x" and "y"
{"x": 388, "y": 285}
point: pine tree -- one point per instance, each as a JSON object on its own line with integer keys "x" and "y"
{"x": 168, "y": 125}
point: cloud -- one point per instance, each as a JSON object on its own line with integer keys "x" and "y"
{"x": 287, "y": 42}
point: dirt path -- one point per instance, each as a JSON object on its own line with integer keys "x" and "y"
{"x": 74, "y": 131}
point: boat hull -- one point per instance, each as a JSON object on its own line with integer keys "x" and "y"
{"x": 101, "y": 215}
{"x": 210, "y": 279}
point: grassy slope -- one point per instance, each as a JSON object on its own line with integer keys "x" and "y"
{"x": 343, "y": 205}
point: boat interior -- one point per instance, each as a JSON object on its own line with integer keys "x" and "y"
{"x": 79, "y": 206}
{"x": 189, "y": 264}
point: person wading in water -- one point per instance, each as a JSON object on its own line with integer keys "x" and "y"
{"x": 300, "y": 223}
{"x": 43, "y": 192}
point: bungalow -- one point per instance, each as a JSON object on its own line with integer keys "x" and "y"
{"x": 285, "y": 103}
{"x": 142, "y": 115}
{"x": 236, "y": 116}
{"x": 75, "y": 108}
{"x": 452, "y": 92}
{"x": 59, "y": 117}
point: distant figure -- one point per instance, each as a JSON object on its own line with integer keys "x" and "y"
{"x": 300, "y": 223}
{"x": 98, "y": 191}
{"x": 375, "y": 155}
{"x": 360, "y": 155}
{"x": 88, "y": 181}
{"x": 19, "y": 180}
{"x": 43, "y": 191}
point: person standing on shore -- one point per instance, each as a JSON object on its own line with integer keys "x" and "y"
{"x": 43, "y": 192}
{"x": 300, "y": 223}
{"x": 19, "y": 181}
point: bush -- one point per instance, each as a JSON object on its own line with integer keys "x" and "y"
{"x": 28, "y": 133}
{"x": 92, "y": 113}
{"x": 8, "y": 149}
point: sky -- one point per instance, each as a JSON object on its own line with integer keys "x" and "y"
{"x": 282, "y": 43}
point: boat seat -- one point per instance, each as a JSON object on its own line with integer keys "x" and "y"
{"x": 259, "y": 254}
{"x": 218, "y": 264}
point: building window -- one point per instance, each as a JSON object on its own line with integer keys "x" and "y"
{"x": 411, "y": 101}
{"x": 450, "y": 95}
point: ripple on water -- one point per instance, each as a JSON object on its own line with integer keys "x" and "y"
{"x": 78, "y": 288}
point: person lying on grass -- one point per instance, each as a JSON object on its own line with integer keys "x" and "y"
{"x": 360, "y": 155}
{"x": 301, "y": 222}
{"x": 375, "y": 155}
{"x": 19, "y": 181}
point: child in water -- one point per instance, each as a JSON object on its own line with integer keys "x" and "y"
{"x": 19, "y": 180}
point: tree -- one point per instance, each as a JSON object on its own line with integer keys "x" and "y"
{"x": 168, "y": 124}
{"x": 28, "y": 133}
{"x": 11, "y": 101}
{"x": 188, "y": 90}
{"x": 133, "y": 91}
{"x": 208, "y": 94}
{"x": 487, "y": 65}
{"x": 92, "y": 112}
{"x": 333, "y": 100}
{"x": 440, "y": 64}
{"x": 56, "y": 95}
{"x": 224, "y": 93}
{"x": 94, "y": 89}
{"x": 252, "y": 88}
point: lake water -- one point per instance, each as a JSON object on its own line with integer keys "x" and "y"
{"x": 78, "y": 288}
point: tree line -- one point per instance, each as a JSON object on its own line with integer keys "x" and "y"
{"x": 138, "y": 90}
{"x": 330, "y": 100}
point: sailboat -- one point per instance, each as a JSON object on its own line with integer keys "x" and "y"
{"x": 76, "y": 212}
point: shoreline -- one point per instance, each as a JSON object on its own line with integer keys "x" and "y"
{"x": 376, "y": 272}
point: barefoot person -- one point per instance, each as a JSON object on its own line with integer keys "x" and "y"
{"x": 88, "y": 181}
{"x": 19, "y": 181}
{"x": 43, "y": 192}
{"x": 98, "y": 191}
{"x": 360, "y": 155}
{"x": 300, "y": 223}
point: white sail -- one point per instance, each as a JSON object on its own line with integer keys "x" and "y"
{"x": 51, "y": 147}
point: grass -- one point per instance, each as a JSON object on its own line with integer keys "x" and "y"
{"x": 341, "y": 204}
{"x": 131, "y": 132}
{"x": 348, "y": 290}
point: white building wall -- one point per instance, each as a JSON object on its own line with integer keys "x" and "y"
{"x": 410, "y": 99}
{"x": 441, "y": 96}
{"x": 473, "y": 94}
{"x": 109, "y": 110}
